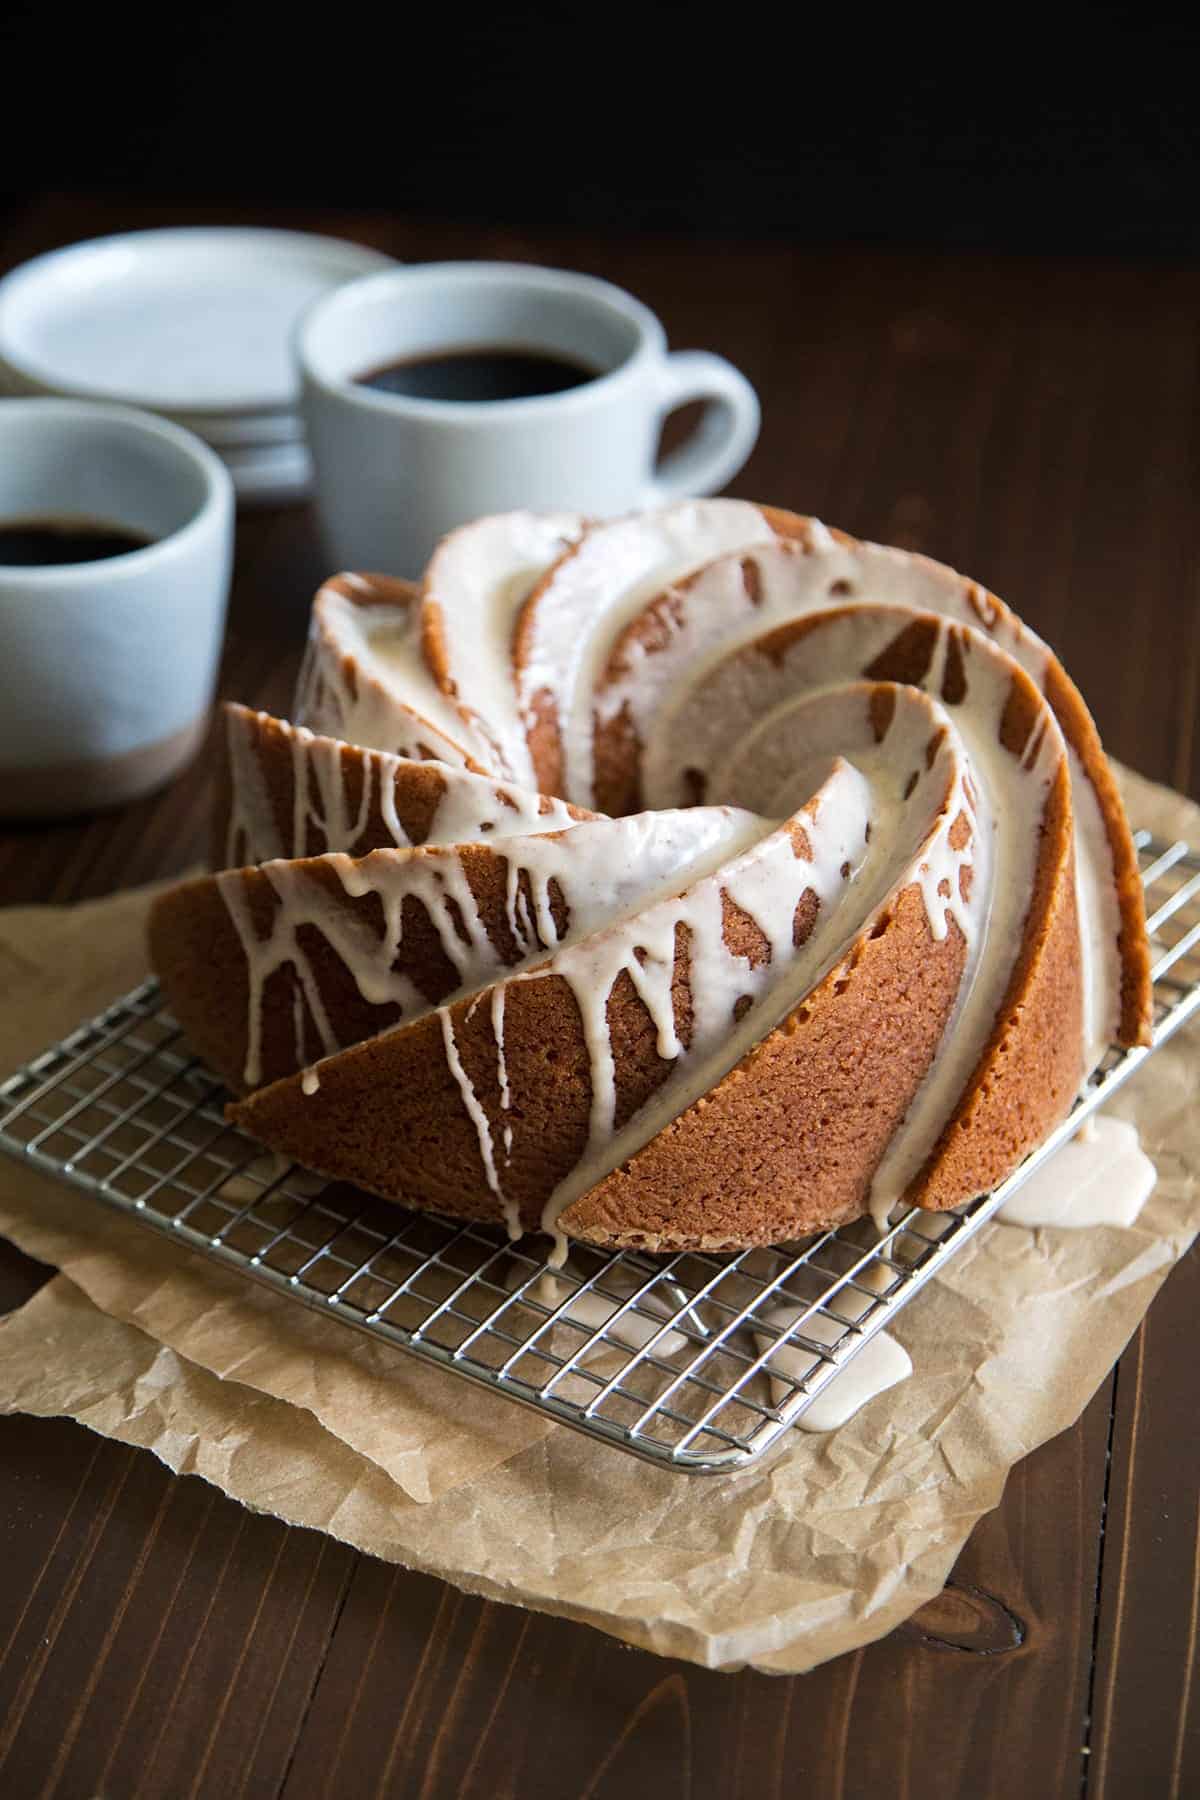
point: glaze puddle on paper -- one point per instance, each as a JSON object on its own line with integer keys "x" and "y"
{"x": 1101, "y": 1177}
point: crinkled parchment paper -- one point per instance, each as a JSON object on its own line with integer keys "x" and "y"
{"x": 830, "y": 1545}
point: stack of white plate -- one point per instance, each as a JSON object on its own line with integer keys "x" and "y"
{"x": 195, "y": 324}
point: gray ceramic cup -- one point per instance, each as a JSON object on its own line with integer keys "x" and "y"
{"x": 107, "y": 668}
{"x": 394, "y": 473}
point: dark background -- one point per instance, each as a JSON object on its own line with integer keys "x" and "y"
{"x": 1064, "y": 129}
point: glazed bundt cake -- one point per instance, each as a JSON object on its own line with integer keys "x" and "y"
{"x": 700, "y": 879}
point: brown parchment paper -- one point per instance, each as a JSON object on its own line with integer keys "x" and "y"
{"x": 827, "y": 1548}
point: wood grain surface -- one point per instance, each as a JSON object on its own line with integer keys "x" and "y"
{"x": 1035, "y": 423}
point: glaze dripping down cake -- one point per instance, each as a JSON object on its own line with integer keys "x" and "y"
{"x": 700, "y": 879}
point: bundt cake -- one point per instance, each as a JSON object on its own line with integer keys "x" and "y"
{"x": 700, "y": 879}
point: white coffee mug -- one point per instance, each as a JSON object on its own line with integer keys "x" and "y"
{"x": 107, "y": 668}
{"x": 395, "y": 473}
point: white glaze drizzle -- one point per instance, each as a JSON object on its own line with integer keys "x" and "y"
{"x": 502, "y": 1067}
{"x": 481, "y": 1122}
{"x": 601, "y": 584}
{"x": 1099, "y": 919}
{"x": 392, "y": 702}
{"x": 478, "y": 579}
{"x": 252, "y": 834}
{"x": 880, "y": 1364}
{"x": 1104, "y": 1178}
{"x": 597, "y": 1312}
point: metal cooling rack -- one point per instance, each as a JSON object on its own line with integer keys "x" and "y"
{"x": 670, "y": 1358}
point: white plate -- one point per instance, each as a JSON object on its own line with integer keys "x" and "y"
{"x": 189, "y": 321}
{"x": 261, "y": 477}
{"x": 253, "y": 431}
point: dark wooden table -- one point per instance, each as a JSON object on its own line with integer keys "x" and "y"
{"x": 1036, "y": 424}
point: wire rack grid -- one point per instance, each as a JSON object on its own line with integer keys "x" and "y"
{"x": 694, "y": 1362}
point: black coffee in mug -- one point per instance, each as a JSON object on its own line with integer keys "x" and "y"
{"x": 480, "y": 372}
{"x": 49, "y": 543}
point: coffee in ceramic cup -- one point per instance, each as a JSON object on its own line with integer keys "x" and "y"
{"x": 480, "y": 373}
{"x": 53, "y": 543}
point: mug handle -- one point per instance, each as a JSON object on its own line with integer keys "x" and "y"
{"x": 725, "y": 435}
